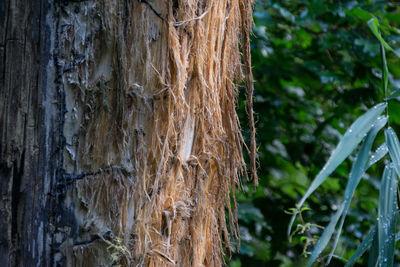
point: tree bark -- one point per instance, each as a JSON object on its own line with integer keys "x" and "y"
{"x": 120, "y": 143}
{"x": 28, "y": 133}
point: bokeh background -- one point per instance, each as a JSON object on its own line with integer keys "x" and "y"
{"x": 317, "y": 68}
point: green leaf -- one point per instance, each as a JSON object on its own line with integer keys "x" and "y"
{"x": 360, "y": 13}
{"x": 357, "y": 170}
{"x": 373, "y": 24}
{"x": 387, "y": 214}
{"x": 385, "y": 71}
{"x": 379, "y": 153}
{"x": 365, "y": 244}
{"x": 347, "y": 144}
{"x": 394, "y": 95}
{"x": 373, "y": 252}
{"x": 393, "y": 147}
{"x": 325, "y": 237}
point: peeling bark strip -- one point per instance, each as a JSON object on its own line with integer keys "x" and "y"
{"x": 246, "y": 15}
{"x": 131, "y": 125}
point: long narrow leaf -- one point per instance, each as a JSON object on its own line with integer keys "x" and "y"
{"x": 385, "y": 71}
{"x": 347, "y": 144}
{"x": 387, "y": 214}
{"x": 365, "y": 244}
{"x": 373, "y": 24}
{"x": 357, "y": 170}
{"x": 374, "y": 251}
{"x": 325, "y": 237}
{"x": 393, "y": 147}
{"x": 397, "y": 237}
{"x": 394, "y": 95}
{"x": 379, "y": 153}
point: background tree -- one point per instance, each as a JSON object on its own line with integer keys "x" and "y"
{"x": 119, "y": 138}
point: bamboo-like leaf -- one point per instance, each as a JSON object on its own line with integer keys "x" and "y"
{"x": 393, "y": 147}
{"x": 357, "y": 170}
{"x": 394, "y": 95}
{"x": 387, "y": 213}
{"x": 365, "y": 244}
{"x": 326, "y": 236}
{"x": 347, "y": 144}
{"x": 373, "y": 24}
{"x": 385, "y": 71}
{"x": 374, "y": 250}
{"x": 379, "y": 153}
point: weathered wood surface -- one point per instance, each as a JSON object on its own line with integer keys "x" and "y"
{"x": 28, "y": 133}
{"x": 119, "y": 140}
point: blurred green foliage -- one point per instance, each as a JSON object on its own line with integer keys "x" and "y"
{"x": 317, "y": 68}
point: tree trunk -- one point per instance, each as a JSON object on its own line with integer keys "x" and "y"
{"x": 119, "y": 140}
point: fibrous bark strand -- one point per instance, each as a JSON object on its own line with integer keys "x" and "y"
{"x": 123, "y": 114}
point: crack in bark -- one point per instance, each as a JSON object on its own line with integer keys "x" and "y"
{"x": 71, "y": 176}
{"x": 158, "y": 14}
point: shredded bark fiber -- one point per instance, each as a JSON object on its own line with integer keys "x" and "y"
{"x": 152, "y": 129}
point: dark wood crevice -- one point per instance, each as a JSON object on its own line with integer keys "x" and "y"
{"x": 27, "y": 126}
